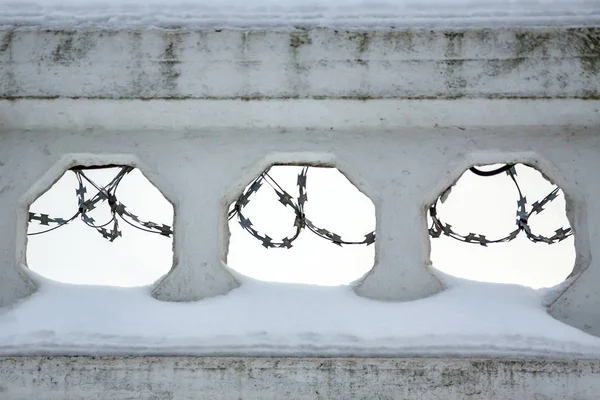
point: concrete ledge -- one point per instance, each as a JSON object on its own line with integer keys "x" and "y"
{"x": 316, "y": 63}
{"x": 170, "y": 116}
{"x": 296, "y": 378}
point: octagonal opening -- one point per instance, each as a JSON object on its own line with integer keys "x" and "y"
{"x": 101, "y": 225}
{"x": 302, "y": 224}
{"x": 503, "y": 223}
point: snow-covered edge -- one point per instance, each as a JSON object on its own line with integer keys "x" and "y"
{"x": 204, "y": 14}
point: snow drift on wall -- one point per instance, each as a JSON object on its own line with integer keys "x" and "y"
{"x": 274, "y": 319}
{"x": 384, "y": 14}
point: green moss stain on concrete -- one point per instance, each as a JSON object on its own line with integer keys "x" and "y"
{"x": 170, "y": 59}
{"x": 527, "y": 45}
{"x": 587, "y": 42}
{"x": 454, "y": 79}
{"x": 400, "y": 41}
{"x": 72, "y": 46}
{"x": 362, "y": 40}
{"x": 298, "y": 39}
{"x": 531, "y": 43}
{"x": 454, "y": 44}
{"x": 6, "y": 42}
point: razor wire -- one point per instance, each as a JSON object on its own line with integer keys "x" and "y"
{"x": 107, "y": 193}
{"x": 119, "y": 211}
{"x": 439, "y": 228}
{"x": 297, "y": 205}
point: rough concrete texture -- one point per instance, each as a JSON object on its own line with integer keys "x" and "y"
{"x": 217, "y": 145}
{"x": 58, "y": 378}
{"x": 402, "y": 113}
{"x": 179, "y": 64}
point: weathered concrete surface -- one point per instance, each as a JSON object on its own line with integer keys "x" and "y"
{"x": 375, "y": 104}
{"x": 178, "y": 64}
{"x": 59, "y": 378}
{"x": 219, "y": 145}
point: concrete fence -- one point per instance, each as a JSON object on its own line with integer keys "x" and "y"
{"x": 401, "y": 113}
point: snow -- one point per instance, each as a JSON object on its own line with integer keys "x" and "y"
{"x": 259, "y": 318}
{"x": 295, "y": 13}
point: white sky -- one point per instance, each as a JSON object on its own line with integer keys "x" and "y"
{"x": 78, "y": 254}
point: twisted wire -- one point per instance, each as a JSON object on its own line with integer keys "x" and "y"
{"x": 107, "y": 193}
{"x": 297, "y": 204}
{"x": 119, "y": 211}
{"x": 438, "y": 227}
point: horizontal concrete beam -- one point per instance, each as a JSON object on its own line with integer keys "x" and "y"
{"x": 321, "y": 63}
{"x": 26, "y": 378}
{"x": 287, "y": 115}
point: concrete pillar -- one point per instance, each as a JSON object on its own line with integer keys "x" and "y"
{"x": 16, "y": 170}
{"x": 400, "y": 272}
{"x": 197, "y": 271}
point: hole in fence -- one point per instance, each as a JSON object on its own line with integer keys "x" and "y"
{"x": 102, "y": 226}
{"x": 504, "y": 225}
{"x": 306, "y": 225}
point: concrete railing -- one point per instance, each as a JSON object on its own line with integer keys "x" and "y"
{"x": 402, "y": 114}
{"x": 57, "y": 378}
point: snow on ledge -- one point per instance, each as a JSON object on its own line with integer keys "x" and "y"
{"x": 384, "y": 14}
{"x": 270, "y": 319}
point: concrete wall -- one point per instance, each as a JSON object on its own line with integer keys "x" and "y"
{"x": 179, "y": 64}
{"x": 60, "y": 378}
{"x": 403, "y": 114}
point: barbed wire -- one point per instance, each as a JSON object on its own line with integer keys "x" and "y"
{"x": 439, "y": 228}
{"x": 301, "y": 222}
{"x": 107, "y": 193}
